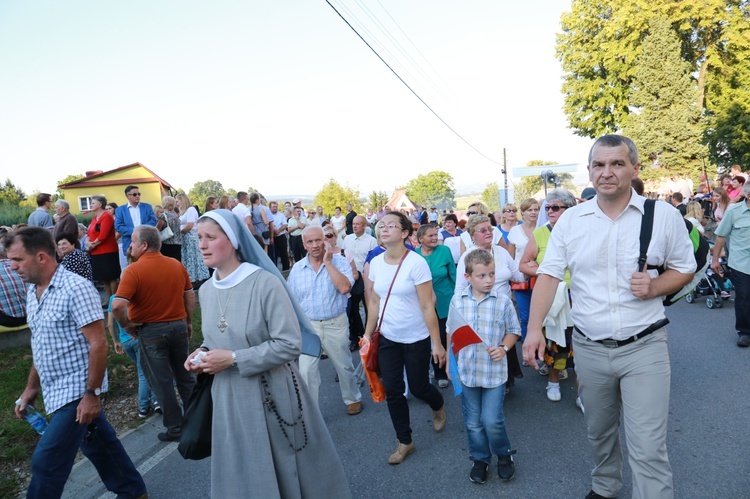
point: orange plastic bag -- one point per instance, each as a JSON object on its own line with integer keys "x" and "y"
{"x": 377, "y": 390}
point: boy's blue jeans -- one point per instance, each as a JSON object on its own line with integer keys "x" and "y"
{"x": 485, "y": 422}
{"x": 145, "y": 397}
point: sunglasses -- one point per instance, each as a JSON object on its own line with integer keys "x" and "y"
{"x": 135, "y": 193}
{"x": 510, "y": 211}
{"x": 330, "y": 236}
{"x": 554, "y": 209}
{"x": 470, "y": 213}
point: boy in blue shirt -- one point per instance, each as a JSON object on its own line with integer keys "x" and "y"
{"x": 483, "y": 368}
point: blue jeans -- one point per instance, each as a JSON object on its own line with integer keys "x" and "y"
{"x": 485, "y": 422}
{"x": 56, "y": 451}
{"x": 523, "y": 299}
{"x": 145, "y": 397}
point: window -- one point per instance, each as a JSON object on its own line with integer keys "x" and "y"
{"x": 84, "y": 203}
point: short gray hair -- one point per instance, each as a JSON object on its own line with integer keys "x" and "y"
{"x": 63, "y": 203}
{"x": 614, "y": 140}
{"x": 562, "y": 195}
{"x": 149, "y": 235}
{"x": 311, "y": 228}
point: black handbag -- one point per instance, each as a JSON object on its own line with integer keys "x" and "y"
{"x": 195, "y": 438}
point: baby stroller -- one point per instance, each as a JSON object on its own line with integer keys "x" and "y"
{"x": 714, "y": 286}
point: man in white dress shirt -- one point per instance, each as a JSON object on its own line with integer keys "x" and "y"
{"x": 242, "y": 211}
{"x": 620, "y": 342}
{"x": 358, "y": 244}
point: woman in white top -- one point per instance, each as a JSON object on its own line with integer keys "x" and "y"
{"x": 191, "y": 254}
{"x": 479, "y": 208}
{"x": 339, "y": 224}
{"x": 402, "y": 280}
{"x": 518, "y": 237}
{"x": 506, "y": 270}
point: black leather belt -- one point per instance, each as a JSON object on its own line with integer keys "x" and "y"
{"x": 609, "y": 343}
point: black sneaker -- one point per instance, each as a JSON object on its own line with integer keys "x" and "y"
{"x": 478, "y": 472}
{"x": 143, "y": 413}
{"x": 168, "y": 437}
{"x": 594, "y": 495}
{"x": 157, "y": 408}
{"x": 505, "y": 467}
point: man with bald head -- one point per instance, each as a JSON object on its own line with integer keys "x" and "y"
{"x": 321, "y": 282}
{"x": 358, "y": 244}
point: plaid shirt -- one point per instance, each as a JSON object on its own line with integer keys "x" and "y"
{"x": 492, "y": 318}
{"x": 61, "y": 352}
{"x": 12, "y": 291}
{"x": 316, "y": 293}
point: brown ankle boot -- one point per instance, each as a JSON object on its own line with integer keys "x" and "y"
{"x": 401, "y": 452}
{"x": 438, "y": 419}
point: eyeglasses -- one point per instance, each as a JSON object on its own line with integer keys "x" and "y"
{"x": 470, "y": 213}
{"x": 510, "y": 211}
{"x": 135, "y": 194}
{"x": 483, "y": 231}
{"x": 389, "y": 227}
{"x": 330, "y": 236}
{"x": 554, "y": 208}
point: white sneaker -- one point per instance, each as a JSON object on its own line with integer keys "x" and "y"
{"x": 553, "y": 393}
{"x": 579, "y": 403}
{"x": 563, "y": 374}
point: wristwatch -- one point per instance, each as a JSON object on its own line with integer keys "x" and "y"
{"x": 504, "y": 347}
{"x": 234, "y": 359}
{"x": 94, "y": 391}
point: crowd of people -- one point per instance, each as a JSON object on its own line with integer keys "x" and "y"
{"x": 416, "y": 277}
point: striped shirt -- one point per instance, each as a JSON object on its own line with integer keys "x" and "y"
{"x": 12, "y": 291}
{"x": 60, "y": 351}
{"x": 492, "y": 318}
{"x": 315, "y": 291}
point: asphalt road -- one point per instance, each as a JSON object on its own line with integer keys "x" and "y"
{"x": 708, "y": 443}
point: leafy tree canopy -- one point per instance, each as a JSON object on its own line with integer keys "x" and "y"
{"x": 665, "y": 122}
{"x": 333, "y": 194}
{"x": 433, "y": 189}
{"x": 491, "y": 196}
{"x": 377, "y": 199}
{"x": 202, "y": 190}
{"x": 600, "y": 47}
{"x": 10, "y": 194}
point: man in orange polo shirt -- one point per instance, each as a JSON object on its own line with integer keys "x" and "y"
{"x": 155, "y": 303}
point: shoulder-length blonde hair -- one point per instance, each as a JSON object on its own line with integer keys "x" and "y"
{"x": 184, "y": 202}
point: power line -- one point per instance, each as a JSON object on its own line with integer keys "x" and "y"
{"x": 410, "y": 89}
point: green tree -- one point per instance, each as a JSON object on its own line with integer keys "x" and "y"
{"x": 252, "y": 189}
{"x": 10, "y": 194}
{"x": 665, "y": 119}
{"x": 202, "y": 190}
{"x": 377, "y": 199}
{"x": 728, "y": 138}
{"x": 333, "y": 194}
{"x": 433, "y": 189}
{"x": 69, "y": 178}
{"x": 491, "y": 196}
{"x": 601, "y": 41}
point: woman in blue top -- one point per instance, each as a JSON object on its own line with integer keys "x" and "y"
{"x": 509, "y": 220}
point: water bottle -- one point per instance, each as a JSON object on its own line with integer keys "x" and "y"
{"x": 35, "y": 419}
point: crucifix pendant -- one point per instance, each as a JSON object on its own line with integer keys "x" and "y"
{"x": 222, "y": 325}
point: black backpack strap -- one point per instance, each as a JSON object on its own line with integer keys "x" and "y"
{"x": 647, "y": 226}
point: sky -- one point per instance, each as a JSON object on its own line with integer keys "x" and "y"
{"x": 280, "y": 96}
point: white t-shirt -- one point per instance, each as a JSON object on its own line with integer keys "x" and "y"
{"x": 240, "y": 211}
{"x": 518, "y": 238}
{"x": 190, "y": 216}
{"x": 403, "y": 321}
{"x": 506, "y": 270}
